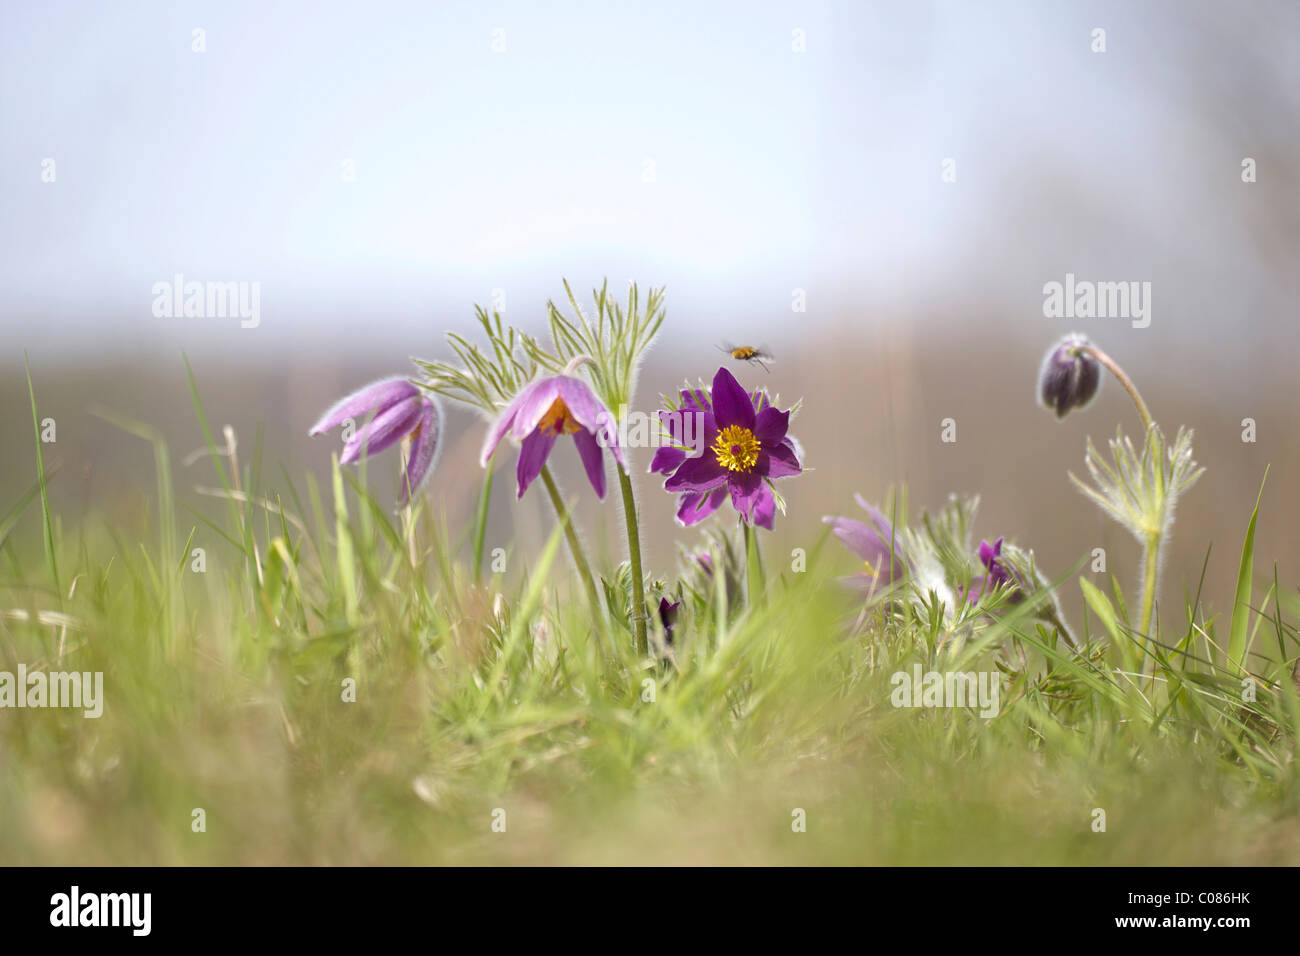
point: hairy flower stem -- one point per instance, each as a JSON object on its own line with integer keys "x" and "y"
{"x": 1124, "y": 380}
{"x": 753, "y": 566}
{"x": 575, "y": 546}
{"x": 1151, "y": 564}
{"x": 1151, "y": 547}
{"x": 634, "y": 556}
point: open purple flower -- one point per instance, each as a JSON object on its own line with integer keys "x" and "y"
{"x": 400, "y": 411}
{"x": 542, "y": 412}
{"x": 744, "y": 446}
{"x": 875, "y": 543}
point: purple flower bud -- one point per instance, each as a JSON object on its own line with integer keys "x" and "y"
{"x": 989, "y": 557}
{"x": 1070, "y": 376}
{"x": 668, "y": 617}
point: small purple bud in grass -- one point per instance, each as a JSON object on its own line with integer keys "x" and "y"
{"x": 400, "y": 411}
{"x": 668, "y": 617}
{"x": 989, "y": 555}
{"x": 542, "y": 412}
{"x": 997, "y": 573}
{"x": 1070, "y": 376}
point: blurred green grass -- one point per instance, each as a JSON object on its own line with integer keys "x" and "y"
{"x": 225, "y": 692}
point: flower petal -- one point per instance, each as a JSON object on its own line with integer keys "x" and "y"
{"x": 782, "y": 462}
{"x": 592, "y": 460}
{"x": 502, "y": 424}
{"x": 884, "y": 527}
{"x": 868, "y": 544}
{"x": 532, "y": 456}
{"x": 534, "y": 403}
{"x": 589, "y": 412}
{"x": 383, "y": 430}
{"x": 424, "y": 449}
{"x": 697, "y": 474}
{"x": 696, "y": 399}
{"x": 771, "y": 424}
{"x": 744, "y": 491}
{"x": 764, "y": 514}
{"x": 376, "y": 397}
{"x": 666, "y": 459}
{"x": 731, "y": 403}
{"x": 695, "y": 506}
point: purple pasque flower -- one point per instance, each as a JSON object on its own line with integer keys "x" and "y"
{"x": 744, "y": 446}
{"x": 542, "y": 412}
{"x": 876, "y": 543}
{"x": 400, "y": 411}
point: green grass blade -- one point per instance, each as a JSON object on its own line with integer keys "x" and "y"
{"x": 51, "y": 560}
{"x": 1237, "y": 631}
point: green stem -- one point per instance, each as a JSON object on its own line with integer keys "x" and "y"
{"x": 1151, "y": 564}
{"x": 575, "y": 546}
{"x": 480, "y": 522}
{"x": 634, "y": 555}
{"x": 1155, "y": 447}
{"x": 755, "y": 579}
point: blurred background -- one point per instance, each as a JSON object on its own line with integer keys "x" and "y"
{"x": 876, "y": 192}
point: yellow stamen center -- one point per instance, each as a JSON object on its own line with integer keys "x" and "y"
{"x": 736, "y": 448}
{"x": 558, "y": 420}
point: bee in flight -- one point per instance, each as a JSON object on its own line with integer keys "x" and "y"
{"x": 747, "y": 353}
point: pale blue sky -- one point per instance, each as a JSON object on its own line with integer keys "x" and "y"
{"x": 772, "y": 169}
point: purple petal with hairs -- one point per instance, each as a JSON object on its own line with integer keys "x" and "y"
{"x": 593, "y": 460}
{"x": 424, "y": 449}
{"x": 589, "y": 412}
{"x": 389, "y": 426}
{"x": 533, "y": 452}
{"x": 376, "y": 397}
{"x": 534, "y": 403}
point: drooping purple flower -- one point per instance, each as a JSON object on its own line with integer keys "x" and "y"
{"x": 542, "y": 412}
{"x": 400, "y": 411}
{"x": 876, "y": 543}
{"x": 1070, "y": 376}
{"x": 744, "y": 446}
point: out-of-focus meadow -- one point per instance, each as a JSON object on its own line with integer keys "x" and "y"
{"x": 753, "y": 156}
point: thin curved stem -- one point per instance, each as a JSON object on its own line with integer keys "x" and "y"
{"x": 575, "y": 545}
{"x": 1151, "y": 548}
{"x": 634, "y": 556}
{"x": 1113, "y": 367}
